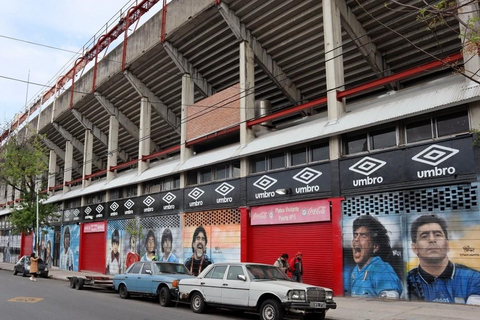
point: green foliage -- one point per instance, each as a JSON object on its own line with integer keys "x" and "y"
{"x": 22, "y": 163}
{"x": 134, "y": 228}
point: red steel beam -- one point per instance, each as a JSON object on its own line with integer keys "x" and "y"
{"x": 160, "y": 153}
{"x": 401, "y": 75}
{"x": 164, "y": 21}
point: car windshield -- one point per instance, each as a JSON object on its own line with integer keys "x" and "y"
{"x": 170, "y": 268}
{"x": 265, "y": 272}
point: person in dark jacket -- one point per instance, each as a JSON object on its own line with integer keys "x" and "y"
{"x": 296, "y": 267}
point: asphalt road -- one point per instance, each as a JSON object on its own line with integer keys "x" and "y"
{"x": 22, "y": 299}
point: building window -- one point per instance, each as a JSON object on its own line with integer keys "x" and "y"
{"x": 373, "y": 140}
{"x": 259, "y": 164}
{"x": 319, "y": 152}
{"x": 277, "y": 161}
{"x": 298, "y": 157}
{"x": 219, "y": 172}
{"x": 437, "y": 126}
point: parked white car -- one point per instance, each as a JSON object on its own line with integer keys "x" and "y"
{"x": 255, "y": 287}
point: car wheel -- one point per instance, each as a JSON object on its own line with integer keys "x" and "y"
{"x": 24, "y": 273}
{"x": 15, "y": 271}
{"x": 165, "y": 297}
{"x": 79, "y": 284}
{"x": 73, "y": 282}
{"x": 197, "y": 303}
{"x": 315, "y": 316}
{"x": 271, "y": 310}
{"x": 123, "y": 292}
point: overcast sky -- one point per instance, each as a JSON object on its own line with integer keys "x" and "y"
{"x": 67, "y": 25}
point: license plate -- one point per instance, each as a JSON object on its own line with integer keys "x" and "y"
{"x": 317, "y": 304}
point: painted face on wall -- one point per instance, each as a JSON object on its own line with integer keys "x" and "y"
{"x": 432, "y": 245}
{"x": 362, "y": 246}
{"x": 115, "y": 247}
{"x": 199, "y": 245}
{"x": 167, "y": 246}
{"x": 133, "y": 243}
{"x": 150, "y": 244}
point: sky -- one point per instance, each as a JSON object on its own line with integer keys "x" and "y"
{"x": 40, "y": 40}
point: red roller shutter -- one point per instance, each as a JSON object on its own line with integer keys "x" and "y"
{"x": 314, "y": 240}
{"x": 93, "y": 249}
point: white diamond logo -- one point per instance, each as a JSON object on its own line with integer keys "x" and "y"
{"x": 169, "y": 197}
{"x": 99, "y": 208}
{"x": 224, "y": 189}
{"x": 148, "y": 201}
{"x": 114, "y": 206}
{"x": 435, "y": 154}
{"x": 129, "y": 204}
{"x": 67, "y": 213}
{"x": 76, "y": 212}
{"x": 307, "y": 175}
{"x": 196, "y": 193}
{"x": 367, "y": 166}
{"x": 265, "y": 182}
{"x": 88, "y": 210}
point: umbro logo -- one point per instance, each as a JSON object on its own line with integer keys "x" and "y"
{"x": 307, "y": 175}
{"x": 196, "y": 193}
{"x": 169, "y": 197}
{"x": 435, "y": 154}
{"x": 129, "y": 204}
{"x": 265, "y": 182}
{"x": 148, "y": 201}
{"x": 224, "y": 189}
{"x": 367, "y": 166}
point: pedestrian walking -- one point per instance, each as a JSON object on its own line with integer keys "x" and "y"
{"x": 33, "y": 266}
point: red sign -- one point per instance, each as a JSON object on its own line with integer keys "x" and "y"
{"x": 94, "y": 227}
{"x": 297, "y": 212}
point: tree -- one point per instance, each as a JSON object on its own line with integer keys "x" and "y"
{"x": 22, "y": 164}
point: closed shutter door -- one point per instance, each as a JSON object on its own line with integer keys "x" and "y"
{"x": 314, "y": 240}
{"x": 93, "y": 249}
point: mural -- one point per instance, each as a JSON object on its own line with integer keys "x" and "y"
{"x": 437, "y": 250}
{"x": 9, "y": 246}
{"x": 47, "y": 245}
{"x": 160, "y": 240}
{"x": 373, "y": 264}
{"x": 443, "y": 265}
{"x": 69, "y": 247}
{"x": 203, "y": 245}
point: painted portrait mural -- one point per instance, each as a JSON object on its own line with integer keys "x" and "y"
{"x": 372, "y": 250}
{"x": 434, "y": 238}
{"x": 444, "y": 262}
{"x": 69, "y": 247}
{"x": 160, "y": 240}
{"x": 47, "y": 245}
{"x": 203, "y": 245}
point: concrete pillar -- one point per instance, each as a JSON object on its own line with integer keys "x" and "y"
{"x": 188, "y": 95}
{"x": 468, "y": 14}
{"x": 68, "y": 169}
{"x": 87, "y": 158}
{"x": 334, "y": 68}
{"x": 10, "y": 193}
{"x": 247, "y": 91}
{"x": 188, "y": 99}
{"x": 112, "y": 147}
{"x": 52, "y": 166}
{"x": 144, "y": 134}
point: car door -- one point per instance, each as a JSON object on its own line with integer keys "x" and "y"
{"x": 131, "y": 278}
{"x": 145, "y": 277}
{"x": 235, "y": 290}
{"x": 212, "y": 283}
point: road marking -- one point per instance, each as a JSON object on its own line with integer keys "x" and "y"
{"x": 26, "y": 299}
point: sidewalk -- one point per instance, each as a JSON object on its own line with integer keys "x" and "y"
{"x": 352, "y": 308}
{"x": 55, "y": 272}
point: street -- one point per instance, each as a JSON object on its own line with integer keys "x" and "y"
{"x": 52, "y": 299}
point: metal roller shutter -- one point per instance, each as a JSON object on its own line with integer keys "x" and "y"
{"x": 93, "y": 247}
{"x": 314, "y": 240}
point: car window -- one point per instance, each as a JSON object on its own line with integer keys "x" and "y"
{"x": 219, "y": 272}
{"x": 136, "y": 268}
{"x": 233, "y": 272}
{"x": 146, "y": 267}
{"x": 210, "y": 273}
{"x": 180, "y": 268}
{"x": 264, "y": 272}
